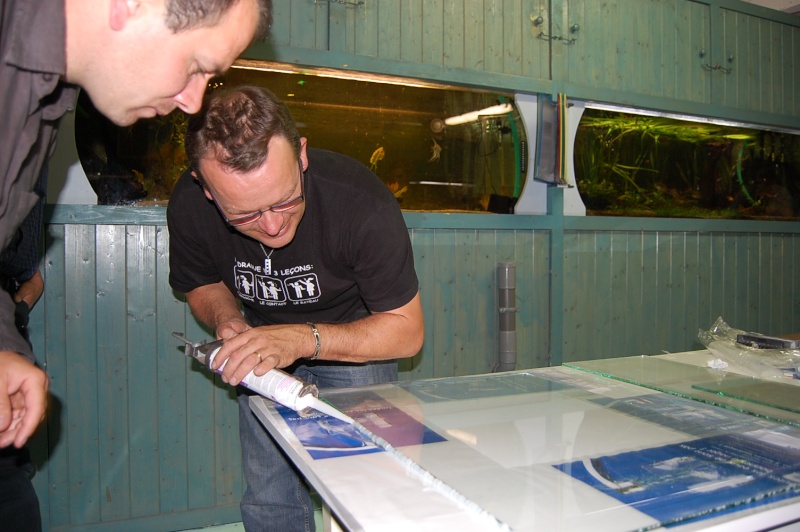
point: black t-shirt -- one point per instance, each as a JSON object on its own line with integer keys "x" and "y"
{"x": 351, "y": 254}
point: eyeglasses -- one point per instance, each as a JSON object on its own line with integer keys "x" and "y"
{"x": 279, "y": 208}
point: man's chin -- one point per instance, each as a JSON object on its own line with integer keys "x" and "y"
{"x": 129, "y": 117}
{"x": 278, "y": 242}
{"x": 123, "y": 120}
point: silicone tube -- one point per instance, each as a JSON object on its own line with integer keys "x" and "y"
{"x": 286, "y": 390}
{"x": 279, "y": 386}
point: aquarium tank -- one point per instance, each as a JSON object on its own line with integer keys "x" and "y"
{"x": 436, "y": 147}
{"x": 637, "y": 165}
{"x": 443, "y": 148}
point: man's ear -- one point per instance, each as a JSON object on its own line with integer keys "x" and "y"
{"x": 202, "y": 184}
{"x": 121, "y": 11}
{"x": 303, "y": 154}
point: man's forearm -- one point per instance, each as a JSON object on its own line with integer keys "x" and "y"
{"x": 214, "y": 304}
{"x": 381, "y": 336}
{"x": 385, "y": 335}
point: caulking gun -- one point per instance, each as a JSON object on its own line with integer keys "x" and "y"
{"x": 275, "y": 384}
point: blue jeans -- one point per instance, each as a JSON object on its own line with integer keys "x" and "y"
{"x": 276, "y": 497}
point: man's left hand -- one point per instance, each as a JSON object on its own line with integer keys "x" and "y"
{"x": 31, "y": 290}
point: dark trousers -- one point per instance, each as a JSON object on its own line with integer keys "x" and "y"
{"x": 19, "y": 506}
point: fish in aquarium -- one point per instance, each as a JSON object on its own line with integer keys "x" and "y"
{"x": 377, "y": 156}
{"x": 436, "y": 151}
{"x": 398, "y": 192}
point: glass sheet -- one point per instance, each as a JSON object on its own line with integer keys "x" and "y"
{"x": 771, "y": 399}
{"x": 774, "y": 394}
{"x": 545, "y": 449}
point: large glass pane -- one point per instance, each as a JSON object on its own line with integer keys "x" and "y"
{"x": 437, "y": 147}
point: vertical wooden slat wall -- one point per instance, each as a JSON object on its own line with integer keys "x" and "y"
{"x": 489, "y": 36}
{"x": 457, "y": 269}
{"x": 142, "y": 438}
{"x": 670, "y": 38}
{"x": 757, "y": 66}
{"x": 648, "y": 292}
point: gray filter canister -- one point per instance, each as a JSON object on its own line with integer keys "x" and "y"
{"x": 507, "y": 316}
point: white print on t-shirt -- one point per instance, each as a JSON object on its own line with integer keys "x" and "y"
{"x": 270, "y": 289}
{"x": 252, "y": 285}
{"x": 303, "y": 287}
{"x": 245, "y": 283}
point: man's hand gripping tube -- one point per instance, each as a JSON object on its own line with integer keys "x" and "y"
{"x": 275, "y": 384}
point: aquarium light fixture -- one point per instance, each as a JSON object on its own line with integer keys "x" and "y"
{"x": 474, "y": 116}
{"x": 352, "y": 75}
{"x": 441, "y": 184}
{"x": 689, "y": 118}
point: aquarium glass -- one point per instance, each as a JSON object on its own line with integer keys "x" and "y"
{"x": 394, "y": 126}
{"x": 636, "y": 165}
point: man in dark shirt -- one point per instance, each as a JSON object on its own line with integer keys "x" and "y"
{"x": 314, "y": 247}
{"x": 135, "y": 60}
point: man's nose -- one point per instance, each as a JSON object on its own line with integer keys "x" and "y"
{"x": 271, "y": 222}
{"x": 190, "y": 99}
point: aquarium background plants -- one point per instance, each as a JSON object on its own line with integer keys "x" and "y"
{"x": 635, "y": 165}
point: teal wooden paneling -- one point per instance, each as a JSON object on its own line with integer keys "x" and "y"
{"x": 302, "y": 24}
{"x": 173, "y": 464}
{"x": 532, "y": 260}
{"x": 424, "y": 262}
{"x": 81, "y": 382}
{"x": 651, "y": 292}
{"x": 464, "y": 297}
{"x": 141, "y": 359}
{"x": 764, "y": 60}
{"x": 457, "y": 269}
{"x": 453, "y": 49}
{"x": 52, "y": 478}
{"x": 112, "y": 364}
{"x": 441, "y": 287}
{"x": 480, "y": 35}
{"x": 646, "y": 47}
{"x": 128, "y": 445}
{"x": 669, "y": 55}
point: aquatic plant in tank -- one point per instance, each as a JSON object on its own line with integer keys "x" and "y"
{"x": 635, "y": 165}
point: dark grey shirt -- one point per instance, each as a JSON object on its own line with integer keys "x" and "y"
{"x": 32, "y": 101}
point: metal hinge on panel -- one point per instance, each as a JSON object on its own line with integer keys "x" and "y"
{"x": 347, "y": 3}
{"x": 575, "y": 28}
{"x": 712, "y": 68}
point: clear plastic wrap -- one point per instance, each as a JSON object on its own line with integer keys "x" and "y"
{"x": 761, "y": 363}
